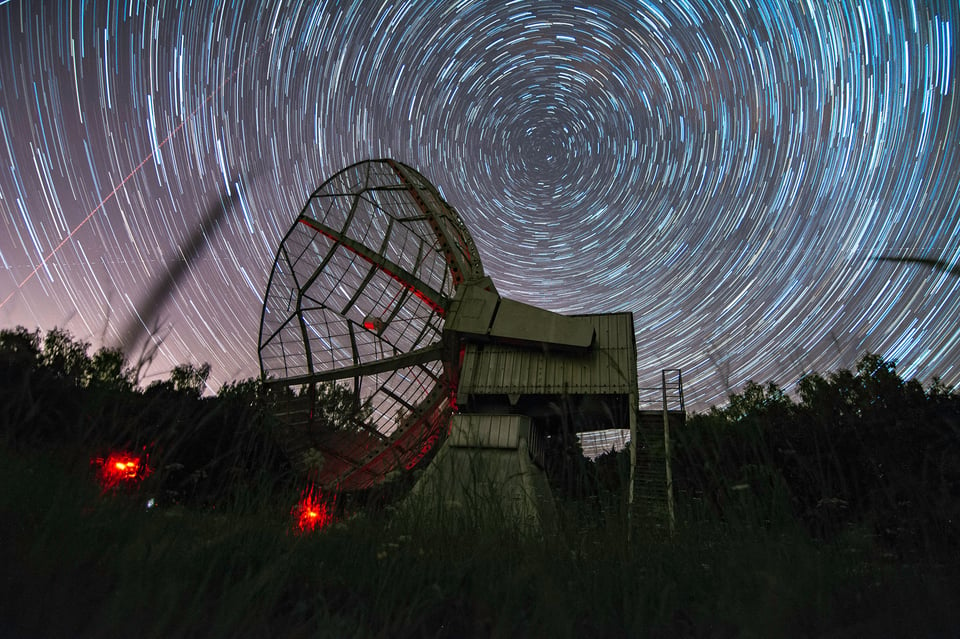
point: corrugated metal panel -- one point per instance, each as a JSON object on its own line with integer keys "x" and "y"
{"x": 488, "y": 431}
{"x": 609, "y": 368}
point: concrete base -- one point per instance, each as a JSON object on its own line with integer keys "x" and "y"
{"x": 484, "y": 476}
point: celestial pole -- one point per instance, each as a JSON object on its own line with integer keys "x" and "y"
{"x": 727, "y": 171}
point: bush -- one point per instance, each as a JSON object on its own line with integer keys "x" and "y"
{"x": 862, "y": 447}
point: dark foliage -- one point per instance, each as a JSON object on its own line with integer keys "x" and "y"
{"x": 859, "y": 448}
{"x": 862, "y": 448}
{"x": 854, "y": 451}
{"x": 336, "y": 407}
{"x": 201, "y": 450}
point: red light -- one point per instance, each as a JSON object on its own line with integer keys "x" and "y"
{"x": 312, "y": 512}
{"x": 372, "y": 323}
{"x": 121, "y": 468}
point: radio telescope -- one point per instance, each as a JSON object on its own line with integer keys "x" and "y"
{"x": 378, "y": 299}
{"x": 358, "y": 295}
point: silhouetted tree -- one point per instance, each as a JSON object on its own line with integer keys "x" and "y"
{"x": 64, "y": 357}
{"x": 190, "y": 379}
{"x": 336, "y": 407}
{"x": 20, "y": 347}
{"x": 863, "y": 447}
{"x": 108, "y": 370}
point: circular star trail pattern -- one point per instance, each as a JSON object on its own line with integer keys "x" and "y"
{"x": 727, "y": 171}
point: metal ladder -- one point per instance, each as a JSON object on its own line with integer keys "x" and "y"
{"x": 659, "y": 411}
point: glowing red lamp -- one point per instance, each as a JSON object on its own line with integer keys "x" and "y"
{"x": 312, "y": 512}
{"x": 121, "y": 468}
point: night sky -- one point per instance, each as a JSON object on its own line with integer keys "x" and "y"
{"x": 727, "y": 171}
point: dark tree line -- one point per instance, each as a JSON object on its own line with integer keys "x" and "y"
{"x": 856, "y": 448}
{"x": 206, "y": 450}
{"x": 861, "y": 448}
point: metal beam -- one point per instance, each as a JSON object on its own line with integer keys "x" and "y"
{"x": 421, "y": 356}
{"x": 436, "y": 300}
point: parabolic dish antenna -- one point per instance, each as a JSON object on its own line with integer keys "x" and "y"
{"x": 381, "y": 336}
{"x": 359, "y": 291}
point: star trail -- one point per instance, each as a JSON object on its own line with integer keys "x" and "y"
{"x": 770, "y": 187}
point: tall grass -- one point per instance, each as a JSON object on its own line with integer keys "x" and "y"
{"x": 222, "y": 559}
{"x": 80, "y": 563}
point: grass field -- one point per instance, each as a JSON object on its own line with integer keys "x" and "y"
{"x": 834, "y": 514}
{"x": 80, "y": 563}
